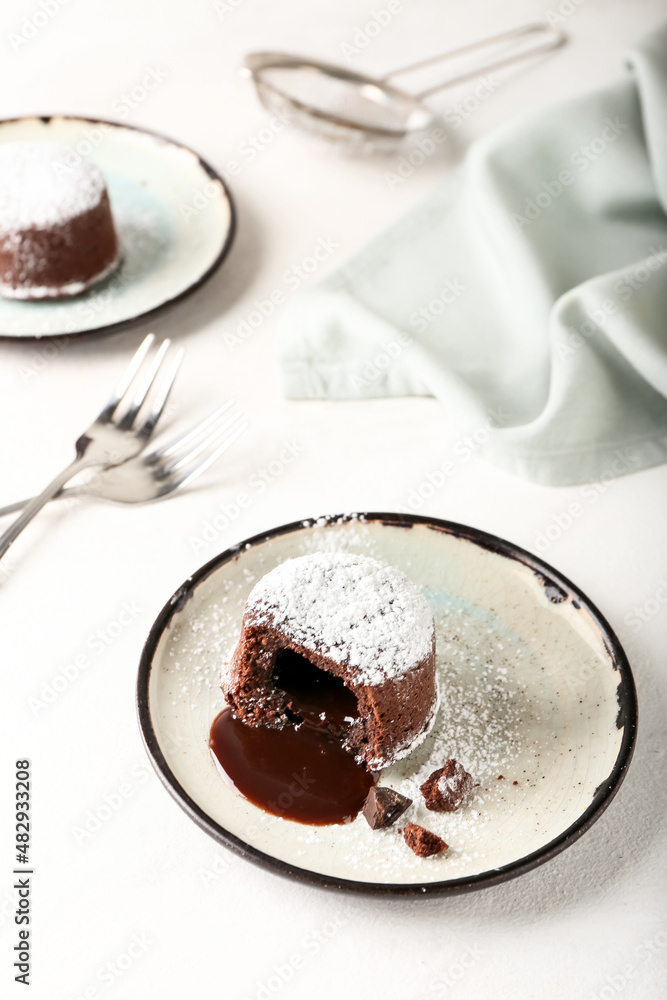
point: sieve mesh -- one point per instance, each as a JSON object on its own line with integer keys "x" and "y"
{"x": 352, "y": 108}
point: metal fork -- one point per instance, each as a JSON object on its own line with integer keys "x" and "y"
{"x": 164, "y": 470}
{"x": 118, "y": 433}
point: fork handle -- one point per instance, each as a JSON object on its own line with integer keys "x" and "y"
{"x": 34, "y": 506}
{"x": 12, "y": 508}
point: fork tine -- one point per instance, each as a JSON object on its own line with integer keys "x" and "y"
{"x": 161, "y": 396}
{"x": 144, "y": 387}
{"x": 126, "y": 379}
{"x": 178, "y": 461}
{"x": 190, "y": 473}
{"x": 177, "y": 442}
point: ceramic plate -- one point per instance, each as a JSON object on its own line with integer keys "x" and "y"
{"x": 537, "y": 701}
{"x": 174, "y": 217}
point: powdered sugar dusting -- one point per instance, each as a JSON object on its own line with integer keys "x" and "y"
{"x": 351, "y": 608}
{"x": 39, "y": 188}
{"x": 455, "y": 786}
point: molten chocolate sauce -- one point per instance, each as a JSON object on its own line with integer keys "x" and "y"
{"x": 300, "y": 772}
{"x": 314, "y": 694}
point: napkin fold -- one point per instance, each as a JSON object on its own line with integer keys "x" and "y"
{"x": 528, "y": 292}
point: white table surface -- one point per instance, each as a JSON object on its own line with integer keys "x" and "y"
{"x": 590, "y": 923}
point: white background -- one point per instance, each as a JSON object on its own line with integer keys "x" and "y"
{"x": 592, "y": 922}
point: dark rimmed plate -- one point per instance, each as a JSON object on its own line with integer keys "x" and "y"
{"x": 538, "y": 702}
{"x": 174, "y": 216}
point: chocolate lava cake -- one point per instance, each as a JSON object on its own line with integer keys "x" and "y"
{"x": 57, "y": 236}
{"x": 341, "y": 630}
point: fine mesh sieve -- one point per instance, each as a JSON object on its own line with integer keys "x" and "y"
{"x": 342, "y": 104}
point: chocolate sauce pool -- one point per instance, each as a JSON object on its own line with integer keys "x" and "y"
{"x": 300, "y": 772}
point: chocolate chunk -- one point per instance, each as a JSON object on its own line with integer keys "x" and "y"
{"x": 446, "y": 788}
{"x": 423, "y": 842}
{"x": 383, "y": 806}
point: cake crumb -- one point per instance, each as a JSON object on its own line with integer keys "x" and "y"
{"x": 447, "y": 787}
{"x": 424, "y": 843}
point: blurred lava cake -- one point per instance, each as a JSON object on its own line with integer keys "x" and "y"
{"x": 338, "y": 629}
{"x": 57, "y": 236}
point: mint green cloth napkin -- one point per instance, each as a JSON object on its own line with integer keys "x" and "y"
{"x": 528, "y": 292}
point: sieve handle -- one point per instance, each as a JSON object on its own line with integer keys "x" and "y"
{"x": 555, "y": 37}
